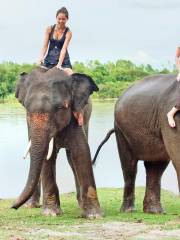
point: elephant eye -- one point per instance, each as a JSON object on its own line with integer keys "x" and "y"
{"x": 60, "y": 107}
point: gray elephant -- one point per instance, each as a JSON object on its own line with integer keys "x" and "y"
{"x": 52, "y": 101}
{"x": 142, "y": 133}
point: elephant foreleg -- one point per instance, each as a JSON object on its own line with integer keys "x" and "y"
{"x": 81, "y": 160}
{"x": 152, "y": 199}
{"x": 51, "y": 201}
{"x": 86, "y": 130}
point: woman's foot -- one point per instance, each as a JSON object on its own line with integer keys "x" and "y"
{"x": 170, "y": 116}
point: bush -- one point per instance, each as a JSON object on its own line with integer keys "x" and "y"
{"x": 112, "y": 78}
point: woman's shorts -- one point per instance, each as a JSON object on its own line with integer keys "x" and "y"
{"x": 66, "y": 64}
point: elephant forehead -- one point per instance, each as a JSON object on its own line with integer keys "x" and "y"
{"x": 47, "y": 96}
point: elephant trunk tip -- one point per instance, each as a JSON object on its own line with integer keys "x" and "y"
{"x": 14, "y": 207}
{"x": 17, "y": 204}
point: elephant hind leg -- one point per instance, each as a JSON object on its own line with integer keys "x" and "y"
{"x": 129, "y": 168}
{"x": 176, "y": 164}
{"x": 152, "y": 199}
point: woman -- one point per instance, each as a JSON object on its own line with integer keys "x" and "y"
{"x": 54, "y": 51}
{"x": 173, "y": 111}
{"x": 57, "y": 37}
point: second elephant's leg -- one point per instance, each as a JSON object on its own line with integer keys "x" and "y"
{"x": 154, "y": 171}
{"x": 129, "y": 168}
{"x": 51, "y": 201}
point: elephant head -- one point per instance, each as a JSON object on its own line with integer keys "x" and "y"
{"x": 50, "y": 98}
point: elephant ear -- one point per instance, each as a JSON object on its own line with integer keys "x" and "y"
{"x": 82, "y": 87}
{"x": 21, "y": 88}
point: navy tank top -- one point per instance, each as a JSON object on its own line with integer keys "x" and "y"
{"x": 54, "y": 50}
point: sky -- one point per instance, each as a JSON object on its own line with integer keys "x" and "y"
{"x": 143, "y": 31}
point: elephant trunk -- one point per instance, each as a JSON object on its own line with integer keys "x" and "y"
{"x": 39, "y": 147}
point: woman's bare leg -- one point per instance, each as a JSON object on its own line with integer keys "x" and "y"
{"x": 170, "y": 116}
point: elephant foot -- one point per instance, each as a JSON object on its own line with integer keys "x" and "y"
{"x": 93, "y": 213}
{"x": 54, "y": 211}
{"x": 128, "y": 208}
{"x": 80, "y": 203}
{"x": 153, "y": 208}
{"x": 32, "y": 204}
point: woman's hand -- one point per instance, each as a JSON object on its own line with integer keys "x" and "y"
{"x": 40, "y": 61}
{"x": 59, "y": 66}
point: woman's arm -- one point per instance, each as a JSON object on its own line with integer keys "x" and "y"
{"x": 45, "y": 45}
{"x": 177, "y": 58}
{"x": 64, "y": 49}
{"x": 178, "y": 62}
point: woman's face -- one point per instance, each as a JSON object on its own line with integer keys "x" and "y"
{"x": 61, "y": 19}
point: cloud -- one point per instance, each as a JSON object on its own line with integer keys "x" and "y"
{"x": 153, "y": 4}
{"x": 141, "y": 57}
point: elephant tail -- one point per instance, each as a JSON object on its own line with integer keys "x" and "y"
{"x": 101, "y": 144}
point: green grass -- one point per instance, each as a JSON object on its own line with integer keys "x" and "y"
{"x": 19, "y": 224}
{"x": 110, "y": 200}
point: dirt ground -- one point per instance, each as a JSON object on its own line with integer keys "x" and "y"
{"x": 110, "y": 231}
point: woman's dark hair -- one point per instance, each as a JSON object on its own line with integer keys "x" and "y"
{"x": 62, "y": 10}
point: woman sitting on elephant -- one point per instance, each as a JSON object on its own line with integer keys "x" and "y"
{"x": 57, "y": 37}
{"x": 176, "y": 108}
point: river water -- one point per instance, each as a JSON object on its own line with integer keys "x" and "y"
{"x": 13, "y": 142}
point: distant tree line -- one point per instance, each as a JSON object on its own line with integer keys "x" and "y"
{"x": 112, "y": 78}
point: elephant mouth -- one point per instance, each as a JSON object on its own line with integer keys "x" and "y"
{"x": 50, "y": 149}
{"x": 79, "y": 117}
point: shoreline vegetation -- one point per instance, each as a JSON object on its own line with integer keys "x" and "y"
{"x": 111, "y": 77}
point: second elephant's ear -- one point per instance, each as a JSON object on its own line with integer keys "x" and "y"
{"x": 21, "y": 88}
{"x": 82, "y": 87}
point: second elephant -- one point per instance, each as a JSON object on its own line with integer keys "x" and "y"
{"x": 143, "y": 133}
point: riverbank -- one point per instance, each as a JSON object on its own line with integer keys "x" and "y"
{"x": 28, "y": 224}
